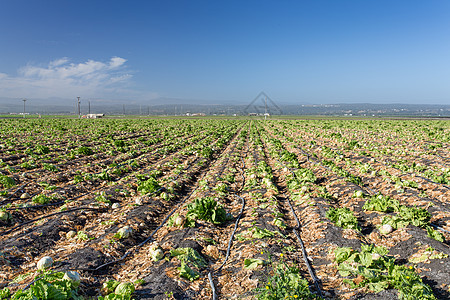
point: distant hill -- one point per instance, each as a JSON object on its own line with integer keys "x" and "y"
{"x": 170, "y": 106}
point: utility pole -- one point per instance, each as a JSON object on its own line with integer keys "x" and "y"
{"x": 79, "y": 112}
{"x": 24, "y": 100}
{"x": 123, "y": 109}
{"x": 89, "y": 107}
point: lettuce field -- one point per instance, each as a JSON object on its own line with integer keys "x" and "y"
{"x": 224, "y": 209}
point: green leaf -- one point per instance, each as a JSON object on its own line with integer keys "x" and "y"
{"x": 151, "y": 185}
{"x": 84, "y": 150}
{"x": 378, "y": 272}
{"x": 381, "y": 250}
{"x": 382, "y": 203}
{"x": 109, "y": 286}
{"x": 434, "y": 234}
{"x": 115, "y": 297}
{"x": 350, "y": 283}
{"x": 41, "y": 199}
{"x": 345, "y": 269}
{"x": 5, "y": 293}
{"x": 187, "y": 272}
{"x": 263, "y": 233}
{"x": 416, "y": 216}
{"x": 124, "y": 288}
{"x": 6, "y": 182}
{"x": 206, "y": 209}
{"x": 343, "y": 217}
{"x": 367, "y": 273}
{"x": 189, "y": 255}
{"x": 279, "y": 223}
{"x": 377, "y": 287}
{"x": 253, "y": 263}
{"x": 342, "y": 254}
{"x": 365, "y": 259}
{"x": 49, "y": 286}
{"x": 394, "y": 221}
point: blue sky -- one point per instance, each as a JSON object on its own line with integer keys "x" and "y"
{"x": 227, "y": 51}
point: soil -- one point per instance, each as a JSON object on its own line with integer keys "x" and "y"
{"x": 193, "y": 159}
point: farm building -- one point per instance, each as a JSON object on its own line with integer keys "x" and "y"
{"x": 94, "y": 116}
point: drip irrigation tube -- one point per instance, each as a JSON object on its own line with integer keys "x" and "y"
{"x": 90, "y": 208}
{"x": 390, "y": 164}
{"x": 372, "y": 192}
{"x": 431, "y": 181}
{"x": 149, "y": 237}
{"x": 211, "y": 283}
{"x": 143, "y": 242}
{"x": 10, "y": 196}
{"x": 230, "y": 243}
{"x": 318, "y": 161}
{"x": 210, "y": 278}
{"x": 49, "y": 204}
{"x": 38, "y": 278}
{"x": 57, "y": 203}
{"x": 50, "y": 215}
{"x": 439, "y": 228}
{"x": 36, "y": 206}
{"x": 66, "y": 211}
{"x": 305, "y": 254}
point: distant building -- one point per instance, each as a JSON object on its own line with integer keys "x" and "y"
{"x": 94, "y": 116}
{"x": 189, "y": 114}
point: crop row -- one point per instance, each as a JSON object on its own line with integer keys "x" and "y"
{"x": 217, "y": 209}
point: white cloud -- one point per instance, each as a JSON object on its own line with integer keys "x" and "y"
{"x": 59, "y": 62}
{"x": 116, "y": 62}
{"x": 61, "y": 78}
